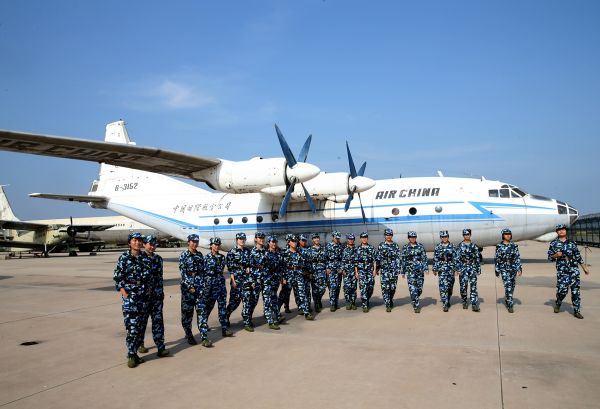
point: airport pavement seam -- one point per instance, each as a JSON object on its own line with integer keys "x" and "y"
{"x": 499, "y": 350}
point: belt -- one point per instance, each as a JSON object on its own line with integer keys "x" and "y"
{"x": 133, "y": 282}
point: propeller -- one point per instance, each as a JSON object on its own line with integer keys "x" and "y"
{"x": 357, "y": 183}
{"x": 296, "y": 171}
{"x": 71, "y": 230}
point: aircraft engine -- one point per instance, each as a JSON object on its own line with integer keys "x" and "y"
{"x": 256, "y": 175}
{"x": 334, "y": 186}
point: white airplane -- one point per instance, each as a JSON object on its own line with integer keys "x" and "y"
{"x": 84, "y": 233}
{"x": 262, "y": 194}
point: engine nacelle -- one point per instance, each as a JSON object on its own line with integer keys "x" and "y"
{"x": 330, "y": 186}
{"x": 255, "y": 175}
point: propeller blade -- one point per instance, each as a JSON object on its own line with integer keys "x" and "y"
{"x": 304, "y": 151}
{"x": 350, "y": 197}
{"x": 361, "y": 171}
{"x": 350, "y": 162}
{"x": 287, "y": 152}
{"x": 362, "y": 210}
{"x": 286, "y": 199}
{"x": 311, "y": 204}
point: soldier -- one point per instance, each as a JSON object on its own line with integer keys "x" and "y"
{"x": 414, "y": 265}
{"x": 508, "y": 264}
{"x": 274, "y": 275}
{"x": 365, "y": 258}
{"x": 318, "y": 261}
{"x": 154, "y": 265}
{"x": 133, "y": 283}
{"x": 252, "y": 287}
{"x": 294, "y": 264}
{"x": 566, "y": 254}
{"x": 333, "y": 252}
{"x": 388, "y": 264}
{"x": 286, "y": 286}
{"x": 307, "y": 276}
{"x": 214, "y": 265}
{"x": 191, "y": 266}
{"x": 349, "y": 272}
{"x": 469, "y": 266}
{"x": 237, "y": 265}
{"x": 259, "y": 267}
{"x": 444, "y": 266}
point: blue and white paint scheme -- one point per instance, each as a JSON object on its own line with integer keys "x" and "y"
{"x": 246, "y": 201}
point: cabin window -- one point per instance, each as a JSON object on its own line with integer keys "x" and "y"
{"x": 216, "y": 221}
{"x": 230, "y": 220}
{"x": 412, "y": 211}
{"x": 395, "y": 211}
{"x": 259, "y": 219}
{"x": 493, "y": 193}
{"x": 244, "y": 219}
{"x": 504, "y": 193}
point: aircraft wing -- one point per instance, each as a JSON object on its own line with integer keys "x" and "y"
{"x": 19, "y": 225}
{"x": 101, "y": 201}
{"x": 129, "y": 156}
{"x": 83, "y": 228}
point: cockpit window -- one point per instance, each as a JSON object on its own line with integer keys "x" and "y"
{"x": 493, "y": 192}
{"x": 504, "y": 193}
{"x": 562, "y": 209}
{"x": 514, "y": 194}
{"x": 519, "y": 192}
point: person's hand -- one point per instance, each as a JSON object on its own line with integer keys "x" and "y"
{"x": 192, "y": 291}
{"x": 520, "y": 273}
{"x": 558, "y": 254}
{"x": 585, "y": 269}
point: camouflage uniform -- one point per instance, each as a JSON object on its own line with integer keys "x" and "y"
{"x": 333, "y": 252}
{"x": 508, "y": 264}
{"x": 445, "y": 265}
{"x": 131, "y": 275}
{"x": 567, "y": 271}
{"x": 348, "y": 270}
{"x": 307, "y": 276}
{"x": 274, "y": 277}
{"x": 414, "y": 266}
{"x": 154, "y": 265}
{"x": 294, "y": 264}
{"x": 214, "y": 264}
{"x": 237, "y": 263}
{"x": 364, "y": 258}
{"x": 191, "y": 267}
{"x": 259, "y": 267}
{"x": 317, "y": 260}
{"x": 469, "y": 267}
{"x": 389, "y": 263}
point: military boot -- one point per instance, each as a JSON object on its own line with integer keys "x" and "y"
{"x": 191, "y": 340}
{"x": 475, "y": 308}
{"x": 465, "y": 306}
{"x": 287, "y": 310}
{"x": 445, "y": 308}
{"x": 332, "y": 308}
{"x": 578, "y": 315}
{"x": 226, "y": 332}
{"x": 388, "y": 309}
{"x": 556, "y": 308}
{"x": 511, "y": 309}
{"x": 131, "y": 361}
{"x": 162, "y": 352}
{"x": 309, "y": 317}
{"x": 365, "y": 309}
{"x": 274, "y": 326}
{"x": 353, "y": 306}
{"x": 348, "y": 306}
{"x": 248, "y": 328}
{"x": 300, "y": 312}
{"x": 417, "y": 310}
{"x": 281, "y": 318}
{"x": 206, "y": 343}
{"x": 142, "y": 349}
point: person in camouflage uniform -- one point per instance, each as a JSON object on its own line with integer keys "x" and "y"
{"x": 252, "y": 287}
{"x": 294, "y": 265}
{"x": 445, "y": 267}
{"x": 153, "y": 263}
{"x": 260, "y": 269}
{"x": 508, "y": 265}
{"x": 565, "y": 253}
{"x": 349, "y": 272}
{"x": 287, "y": 286}
{"x": 133, "y": 282}
{"x": 333, "y": 252}
{"x": 274, "y": 275}
{"x": 365, "y": 258}
{"x": 216, "y": 291}
{"x": 318, "y": 261}
{"x": 191, "y": 267}
{"x": 414, "y": 266}
{"x": 237, "y": 265}
{"x": 469, "y": 266}
{"x": 307, "y": 276}
{"x": 388, "y": 265}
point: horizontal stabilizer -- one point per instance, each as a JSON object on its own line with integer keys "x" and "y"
{"x": 117, "y": 154}
{"x": 84, "y": 228}
{"x": 100, "y": 201}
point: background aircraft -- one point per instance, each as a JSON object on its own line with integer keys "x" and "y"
{"x": 46, "y": 236}
{"x": 281, "y": 195}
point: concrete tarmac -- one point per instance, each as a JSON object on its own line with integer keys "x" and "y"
{"x": 459, "y": 359}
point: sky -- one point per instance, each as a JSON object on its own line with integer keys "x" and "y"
{"x": 508, "y": 90}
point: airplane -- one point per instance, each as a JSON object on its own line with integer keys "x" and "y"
{"x": 46, "y": 236}
{"x": 263, "y": 194}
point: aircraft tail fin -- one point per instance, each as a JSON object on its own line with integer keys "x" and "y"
{"x": 6, "y": 212}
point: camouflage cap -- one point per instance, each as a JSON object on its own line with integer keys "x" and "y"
{"x": 134, "y": 235}
{"x": 240, "y": 236}
{"x": 316, "y": 236}
{"x": 466, "y": 232}
{"x": 561, "y": 226}
{"x": 364, "y": 234}
{"x": 350, "y": 236}
{"x": 290, "y": 237}
{"x": 303, "y": 237}
{"x": 193, "y": 237}
{"x": 215, "y": 240}
{"x": 388, "y": 232}
{"x": 336, "y": 234}
{"x": 444, "y": 233}
{"x": 259, "y": 235}
{"x": 272, "y": 239}
{"x": 412, "y": 233}
{"x": 506, "y": 231}
{"x": 151, "y": 239}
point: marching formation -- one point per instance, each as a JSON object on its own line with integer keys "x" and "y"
{"x": 306, "y": 271}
